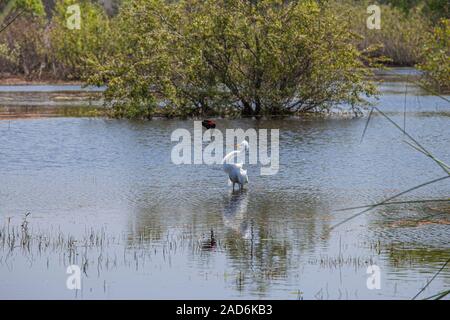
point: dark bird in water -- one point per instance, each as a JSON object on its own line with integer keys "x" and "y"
{"x": 210, "y": 243}
{"x": 208, "y": 124}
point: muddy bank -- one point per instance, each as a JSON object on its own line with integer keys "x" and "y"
{"x": 8, "y": 79}
{"x": 50, "y": 100}
{"x": 32, "y": 112}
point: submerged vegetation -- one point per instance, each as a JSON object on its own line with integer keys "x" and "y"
{"x": 248, "y": 58}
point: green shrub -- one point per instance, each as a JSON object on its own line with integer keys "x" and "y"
{"x": 401, "y": 35}
{"x": 73, "y": 49}
{"x": 201, "y": 57}
{"x": 436, "y": 58}
{"x": 22, "y": 51}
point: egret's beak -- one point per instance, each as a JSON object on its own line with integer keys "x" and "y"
{"x": 237, "y": 145}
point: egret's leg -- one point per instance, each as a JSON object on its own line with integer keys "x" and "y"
{"x": 233, "y": 186}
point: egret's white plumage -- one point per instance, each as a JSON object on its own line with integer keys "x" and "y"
{"x": 236, "y": 173}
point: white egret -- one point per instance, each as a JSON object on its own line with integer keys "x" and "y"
{"x": 236, "y": 173}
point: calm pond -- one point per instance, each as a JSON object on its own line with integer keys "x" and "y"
{"x": 104, "y": 195}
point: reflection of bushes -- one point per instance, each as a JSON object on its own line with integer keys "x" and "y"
{"x": 261, "y": 258}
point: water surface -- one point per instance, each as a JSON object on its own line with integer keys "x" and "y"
{"x": 104, "y": 195}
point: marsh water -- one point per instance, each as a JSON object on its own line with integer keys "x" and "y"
{"x": 104, "y": 195}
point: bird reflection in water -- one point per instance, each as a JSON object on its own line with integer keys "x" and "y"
{"x": 234, "y": 219}
{"x": 210, "y": 243}
{"x": 235, "y": 214}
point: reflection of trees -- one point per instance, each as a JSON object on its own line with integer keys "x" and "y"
{"x": 145, "y": 224}
{"x": 262, "y": 234}
{"x": 235, "y": 214}
{"x": 261, "y": 245}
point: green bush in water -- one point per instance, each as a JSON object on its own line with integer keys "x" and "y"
{"x": 192, "y": 57}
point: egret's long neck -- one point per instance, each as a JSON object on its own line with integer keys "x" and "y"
{"x": 230, "y": 155}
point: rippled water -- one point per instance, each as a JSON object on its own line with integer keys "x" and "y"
{"x": 146, "y": 228}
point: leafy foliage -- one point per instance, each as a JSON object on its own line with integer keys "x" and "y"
{"x": 72, "y": 49}
{"x": 400, "y": 38}
{"x": 434, "y": 9}
{"x": 35, "y": 7}
{"x": 22, "y": 51}
{"x": 225, "y": 57}
{"x": 214, "y": 57}
{"x": 436, "y": 55}
{"x": 33, "y": 46}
